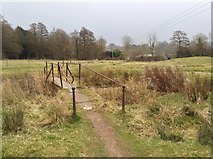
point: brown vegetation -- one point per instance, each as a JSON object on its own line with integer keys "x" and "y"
{"x": 23, "y": 92}
{"x": 165, "y": 78}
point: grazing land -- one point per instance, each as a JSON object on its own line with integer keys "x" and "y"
{"x": 167, "y": 109}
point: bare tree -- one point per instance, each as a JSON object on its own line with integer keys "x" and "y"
{"x": 199, "y": 44}
{"x": 42, "y": 34}
{"x": 181, "y": 41}
{"x": 87, "y": 44}
{"x": 127, "y": 41}
{"x": 61, "y": 44}
{"x": 10, "y": 45}
{"x": 75, "y": 37}
{"x": 152, "y": 40}
{"x": 101, "y": 45}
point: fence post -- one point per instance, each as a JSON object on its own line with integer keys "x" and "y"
{"x": 59, "y": 70}
{"x": 46, "y": 68}
{"x": 123, "y": 99}
{"x": 45, "y": 72}
{"x": 66, "y": 71}
{"x": 79, "y": 74}
{"x": 52, "y": 71}
{"x": 74, "y": 103}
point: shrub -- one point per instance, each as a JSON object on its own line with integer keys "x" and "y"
{"x": 136, "y": 92}
{"x": 12, "y": 107}
{"x": 13, "y": 119}
{"x": 57, "y": 109}
{"x": 154, "y": 109}
{"x": 189, "y": 111}
{"x": 165, "y": 135}
{"x": 21, "y": 89}
{"x": 93, "y": 79}
{"x": 198, "y": 88}
{"x": 165, "y": 78}
{"x": 56, "y": 112}
{"x": 205, "y": 134}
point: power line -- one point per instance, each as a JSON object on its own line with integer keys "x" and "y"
{"x": 163, "y": 29}
{"x": 164, "y": 26}
{"x": 182, "y": 14}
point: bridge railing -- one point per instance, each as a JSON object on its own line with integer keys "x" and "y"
{"x": 80, "y": 66}
{"x": 70, "y": 78}
{"x": 63, "y": 73}
{"x": 50, "y": 69}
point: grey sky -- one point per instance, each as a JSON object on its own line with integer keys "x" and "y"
{"x": 112, "y": 20}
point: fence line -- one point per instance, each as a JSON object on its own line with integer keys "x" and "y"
{"x": 60, "y": 71}
{"x": 102, "y": 75}
{"x": 79, "y": 77}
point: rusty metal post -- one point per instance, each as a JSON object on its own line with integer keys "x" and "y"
{"x": 74, "y": 103}
{"x": 59, "y": 70}
{"x": 79, "y": 74}
{"x": 52, "y": 71}
{"x": 46, "y": 68}
{"x": 45, "y": 72}
{"x": 66, "y": 71}
{"x": 123, "y": 99}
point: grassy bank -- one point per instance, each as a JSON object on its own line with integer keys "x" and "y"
{"x": 166, "y": 118}
{"x": 37, "y": 121}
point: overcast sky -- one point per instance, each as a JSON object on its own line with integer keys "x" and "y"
{"x": 114, "y": 19}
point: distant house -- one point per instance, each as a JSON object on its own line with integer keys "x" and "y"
{"x": 146, "y": 57}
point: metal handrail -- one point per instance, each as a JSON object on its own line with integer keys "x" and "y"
{"x": 103, "y": 75}
{"x": 79, "y": 77}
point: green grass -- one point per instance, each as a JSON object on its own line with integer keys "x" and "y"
{"x": 136, "y": 131}
{"x": 192, "y": 64}
{"x": 41, "y": 136}
{"x": 70, "y": 139}
{"x": 195, "y": 64}
{"x": 147, "y": 146}
{"x": 22, "y": 66}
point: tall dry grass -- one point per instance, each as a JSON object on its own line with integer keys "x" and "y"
{"x": 165, "y": 78}
{"x": 12, "y": 107}
{"x": 136, "y": 92}
{"x": 198, "y": 88}
{"x": 19, "y": 92}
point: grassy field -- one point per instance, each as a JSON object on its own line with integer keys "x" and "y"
{"x": 47, "y": 128}
{"x": 155, "y": 124}
{"x": 193, "y": 64}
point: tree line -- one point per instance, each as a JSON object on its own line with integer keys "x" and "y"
{"x": 38, "y": 43}
{"x": 179, "y": 46}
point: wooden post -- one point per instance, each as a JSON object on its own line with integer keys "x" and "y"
{"x": 52, "y": 71}
{"x": 59, "y": 70}
{"x": 79, "y": 74}
{"x": 123, "y": 99}
{"x": 66, "y": 71}
{"x": 74, "y": 103}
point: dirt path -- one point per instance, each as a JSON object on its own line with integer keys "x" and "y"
{"x": 100, "y": 126}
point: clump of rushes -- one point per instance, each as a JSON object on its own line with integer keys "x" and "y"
{"x": 165, "y": 78}
{"x": 18, "y": 91}
{"x": 198, "y": 88}
{"x": 12, "y": 107}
